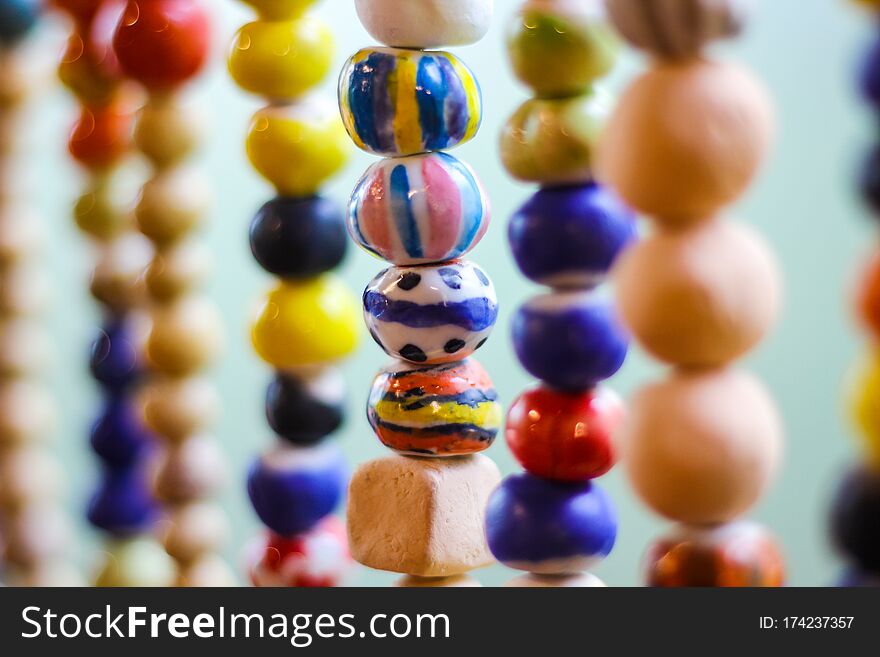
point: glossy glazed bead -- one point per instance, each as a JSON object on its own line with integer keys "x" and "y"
{"x": 431, "y": 314}
{"x": 550, "y": 528}
{"x": 118, "y": 436}
{"x": 122, "y": 504}
{"x": 293, "y": 489}
{"x": 865, "y": 405}
{"x": 176, "y": 408}
{"x": 185, "y": 337}
{"x": 281, "y": 59}
{"x": 17, "y": 17}
{"x": 115, "y": 361}
{"x": 425, "y": 23}
{"x": 739, "y": 554}
{"x": 298, "y": 147}
{"x": 303, "y": 409}
{"x": 299, "y": 237}
{"x": 869, "y": 75}
{"x": 569, "y": 340}
{"x": 419, "y": 210}
{"x": 553, "y": 141}
{"x": 101, "y": 137}
{"x": 565, "y": 436}
{"x": 136, "y": 562}
{"x": 277, "y": 10}
{"x": 579, "y": 581}
{"x": 568, "y": 237}
{"x": 178, "y": 269}
{"x": 403, "y": 102}
{"x": 854, "y": 518}
{"x": 172, "y": 204}
{"x": 309, "y": 323}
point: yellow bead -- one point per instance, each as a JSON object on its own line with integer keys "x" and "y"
{"x": 168, "y": 131}
{"x": 279, "y": 9}
{"x": 98, "y": 212}
{"x": 186, "y": 337}
{"x": 173, "y": 203}
{"x": 310, "y": 323}
{"x": 281, "y": 59}
{"x": 136, "y": 562}
{"x": 865, "y": 404}
{"x": 298, "y": 147}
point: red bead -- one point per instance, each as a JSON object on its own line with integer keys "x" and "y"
{"x": 565, "y": 436}
{"x": 101, "y": 136}
{"x": 163, "y": 43}
{"x": 867, "y": 301}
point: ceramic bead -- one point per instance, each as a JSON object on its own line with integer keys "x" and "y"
{"x": 869, "y": 75}
{"x": 56, "y": 573}
{"x": 27, "y": 412}
{"x": 136, "y": 562}
{"x": 167, "y": 131}
{"x": 308, "y": 323}
{"x": 194, "y": 469}
{"x": 303, "y": 409}
{"x": 855, "y": 578}
{"x": 194, "y": 530}
{"x": 445, "y": 410}
{"x": 865, "y": 405}
{"x": 179, "y": 408}
{"x": 293, "y": 489}
{"x": 17, "y": 17}
{"x": 299, "y": 237}
{"x": 277, "y": 10}
{"x": 25, "y": 289}
{"x": 178, "y": 269}
{"x": 88, "y": 71}
{"x": 532, "y": 581}
{"x": 297, "y": 147}
{"x": 37, "y": 533}
{"x": 115, "y": 361}
{"x": 568, "y": 237}
{"x": 550, "y": 528}
{"x": 686, "y": 140}
{"x": 185, "y": 337}
{"x": 117, "y": 280}
{"x": 101, "y": 137}
{"x": 418, "y": 210}
{"x": 433, "y": 509}
{"x": 98, "y": 213}
{"x": 426, "y": 23}
{"x": 25, "y": 347}
{"x": 854, "y": 518}
{"x": 702, "y": 297}
{"x": 431, "y": 314}
{"x": 22, "y": 233}
{"x": 730, "y": 416}
{"x": 869, "y": 180}
{"x": 453, "y": 582}
{"x": 173, "y": 203}
{"x": 118, "y": 436}
{"x": 403, "y": 102}
{"x": 208, "y": 571}
{"x": 122, "y": 504}
{"x": 28, "y": 474}
{"x": 570, "y": 340}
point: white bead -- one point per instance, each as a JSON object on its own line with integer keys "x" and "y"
{"x": 425, "y": 23}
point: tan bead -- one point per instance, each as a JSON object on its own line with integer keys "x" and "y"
{"x": 99, "y": 212}
{"x": 22, "y": 233}
{"x": 686, "y": 140}
{"x": 533, "y": 581}
{"x": 702, "y": 297}
{"x": 191, "y": 470}
{"x": 167, "y": 130}
{"x": 208, "y": 572}
{"x": 25, "y": 288}
{"x": 456, "y": 581}
{"x": 37, "y": 533}
{"x": 28, "y": 474}
{"x": 185, "y": 337}
{"x": 178, "y": 269}
{"x": 701, "y": 447}
{"x": 117, "y": 280}
{"x": 136, "y": 562}
{"x": 173, "y": 203}
{"x": 179, "y": 408}
{"x": 194, "y": 530}
{"x": 25, "y": 347}
{"x": 27, "y": 412}
{"x": 54, "y": 573}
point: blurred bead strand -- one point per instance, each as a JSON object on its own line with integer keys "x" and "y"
{"x": 422, "y": 210}
{"x": 700, "y": 291}
{"x": 307, "y": 323}
{"x": 162, "y": 45}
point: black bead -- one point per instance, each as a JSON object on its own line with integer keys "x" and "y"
{"x": 855, "y": 516}
{"x": 869, "y": 180}
{"x": 299, "y": 237}
{"x": 298, "y": 415}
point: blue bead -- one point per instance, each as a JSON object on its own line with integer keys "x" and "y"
{"x": 123, "y": 503}
{"x": 17, "y": 17}
{"x": 854, "y": 518}
{"x": 869, "y": 179}
{"x": 858, "y": 579}
{"x": 293, "y": 489}
{"x": 869, "y": 76}
{"x": 115, "y": 361}
{"x": 303, "y": 410}
{"x": 550, "y": 527}
{"x": 571, "y": 340}
{"x": 570, "y": 236}
{"x": 118, "y": 436}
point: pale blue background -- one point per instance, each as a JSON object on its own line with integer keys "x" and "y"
{"x": 804, "y": 49}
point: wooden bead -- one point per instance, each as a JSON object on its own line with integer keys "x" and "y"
{"x": 194, "y": 530}
{"x": 210, "y": 571}
{"x": 185, "y": 337}
{"x": 453, "y": 582}
{"x": 192, "y": 470}
{"x": 26, "y": 347}
{"x": 173, "y": 203}
{"x": 701, "y": 447}
{"x": 27, "y": 412}
{"x": 686, "y": 140}
{"x": 98, "y": 212}
{"x": 21, "y": 233}
{"x": 533, "y": 581}
{"x": 55, "y": 573}
{"x": 425, "y": 23}
{"x": 699, "y": 298}
{"x": 168, "y": 130}
{"x": 179, "y": 408}
{"x": 37, "y": 533}
{"x": 117, "y": 280}
{"x": 136, "y": 562}
{"x": 178, "y": 269}
{"x": 28, "y": 474}
{"x": 25, "y": 289}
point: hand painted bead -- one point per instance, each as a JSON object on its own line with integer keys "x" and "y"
{"x": 293, "y": 489}
{"x": 702, "y": 297}
{"x": 122, "y": 504}
{"x": 569, "y": 340}
{"x": 281, "y": 59}
{"x": 568, "y": 237}
{"x": 185, "y": 337}
{"x": 299, "y": 237}
{"x": 172, "y": 204}
{"x": 732, "y": 419}
{"x": 425, "y": 23}
{"x": 419, "y": 210}
{"x": 559, "y": 48}
{"x": 579, "y": 581}
{"x": 167, "y": 130}
{"x": 565, "y": 436}
{"x": 297, "y": 147}
{"x": 553, "y": 141}
{"x": 27, "y": 412}
{"x": 550, "y": 528}
{"x": 178, "y": 269}
{"x": 101, "y": 136}
{"x": 403, "y": 102}
{"x": 739, "y": 554}
{"x": 194, "y": 530}
{"x": 309, "y": 323}
{"x": 431, "y": 314}
{"x": 177, "y": 408}
{"x": 277, "y": 10}
{"x": 115, "y": 361}
{"x": 854, "y": 518}
{"x": 136, "y": 562}
{"x": 445, "y": 410}
{"x": 303, "y": 409}
{"x": 17, "y": 17}
{"x": 118, "y": 436}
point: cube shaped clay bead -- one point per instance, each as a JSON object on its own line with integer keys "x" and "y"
{"x": 425, "y": 23}
{"x": 533, "y": 581}
{"x": 421, "y": 517}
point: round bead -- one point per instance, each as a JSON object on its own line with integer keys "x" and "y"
{"x": 168, "y": 130}
{"x": 27, "y": 412}
{"x": 179, "y": 408}
{"x": 565, "y": 436}
{"x": 38, "y": 533}
{"x": 17, "y": 17}
{"x": 426, "y": 23}
{"x": 89, "y": 71}
{"x": 208, "y": 571}
{"x": 26, "y": 347}
{"x": 118, "y": 436}
{"x": 304, "y": 409}
{"x": 22, "y": 233}
{"x": 450, "y": 582}
{"x": 550, "y": 528}
{"x": 102, "y": 136}
{"x": 865, "y": 405}
{"x": 25, "y": 289}
{"x": 569, "y": 340}
{"x": 701, "y": 297}
{"x": 299, "y": 237}
{"x": 686, "y": 140}
{"x": 309, "y": 323}
{"x": 403, "y": 102}
{"x": 431, "y": 314}
{"x": 27, "y": 475}
{"x": 173, "y": 203}
{"x": 136, "y": 562}
{"x": 195, "y": 530}
{"x": 117, "y": 280}
{"x": 869, "y": 180}
{"x": 277, "y": 10}
{"x": 293, "y": 489}
{"x": 732, "y": 420}
{"x": 419, "y": 210}
{"x": 122, "y": 504}
{"x": 297, "y": 147}
{"x": 98, "y": 212}
{"x": 854, "y": 518}
{"x": 568, "y": 237}
{"x": 858, "y": 579}
{"x": 739, "y": 554}
{"x": 115, "y": 360}
{"x": 281, "y": 59}
{"x": 191, "y": 470}
{"x": 185, "y": 337}
{"x": 579, "y": 581}
{"x": 869, "y": 76}
{"x": 446, "y": 410}
{"x": 178, "y": 269}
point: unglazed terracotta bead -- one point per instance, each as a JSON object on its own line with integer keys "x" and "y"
{"x": 303, "y": 408}
{"x": 27, "y": 412}
{"x": 686, "y": 139}
{"x": 25, "y": 289}
{"x": 191, "y": 470}
{"x": 167, "y": 130}
{"x": 701, "y": 297}
{"x": 730, "y": 416}
{"x": 853, "y": 518}
{"x": 173, "y": 203}
{"x": 454, "y": 582}
{"x": 185, "y": 337}
{"x": 25, "y": 346}
{"x": 138, "y": 562}
{"x": 532, "y": 581}
{"x": 194, "y": 530}
{"x": 280, "y": 9}
{"x": 27, "y": 474}
{"x": 421, "y": 517}
{"x": 178, "y": 269}
{"x": 117, "y": 279}
{"x": 179, "y": 408}
{"x": 426, "y": 23}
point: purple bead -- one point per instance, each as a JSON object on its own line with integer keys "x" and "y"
{"x": 123, "y": 503}
{"x": 858, "y": 579}
{"x": 855, "y": 519}
{"x": 292, "y": 489}
{"x": 570, "y": 340}
{"x": 549, "y": 527}
{"x": 869, "y": 76}
{"x": 570, "y": 236}
{"x": 118, "y": 436}
{"x": 115, "y": 360}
